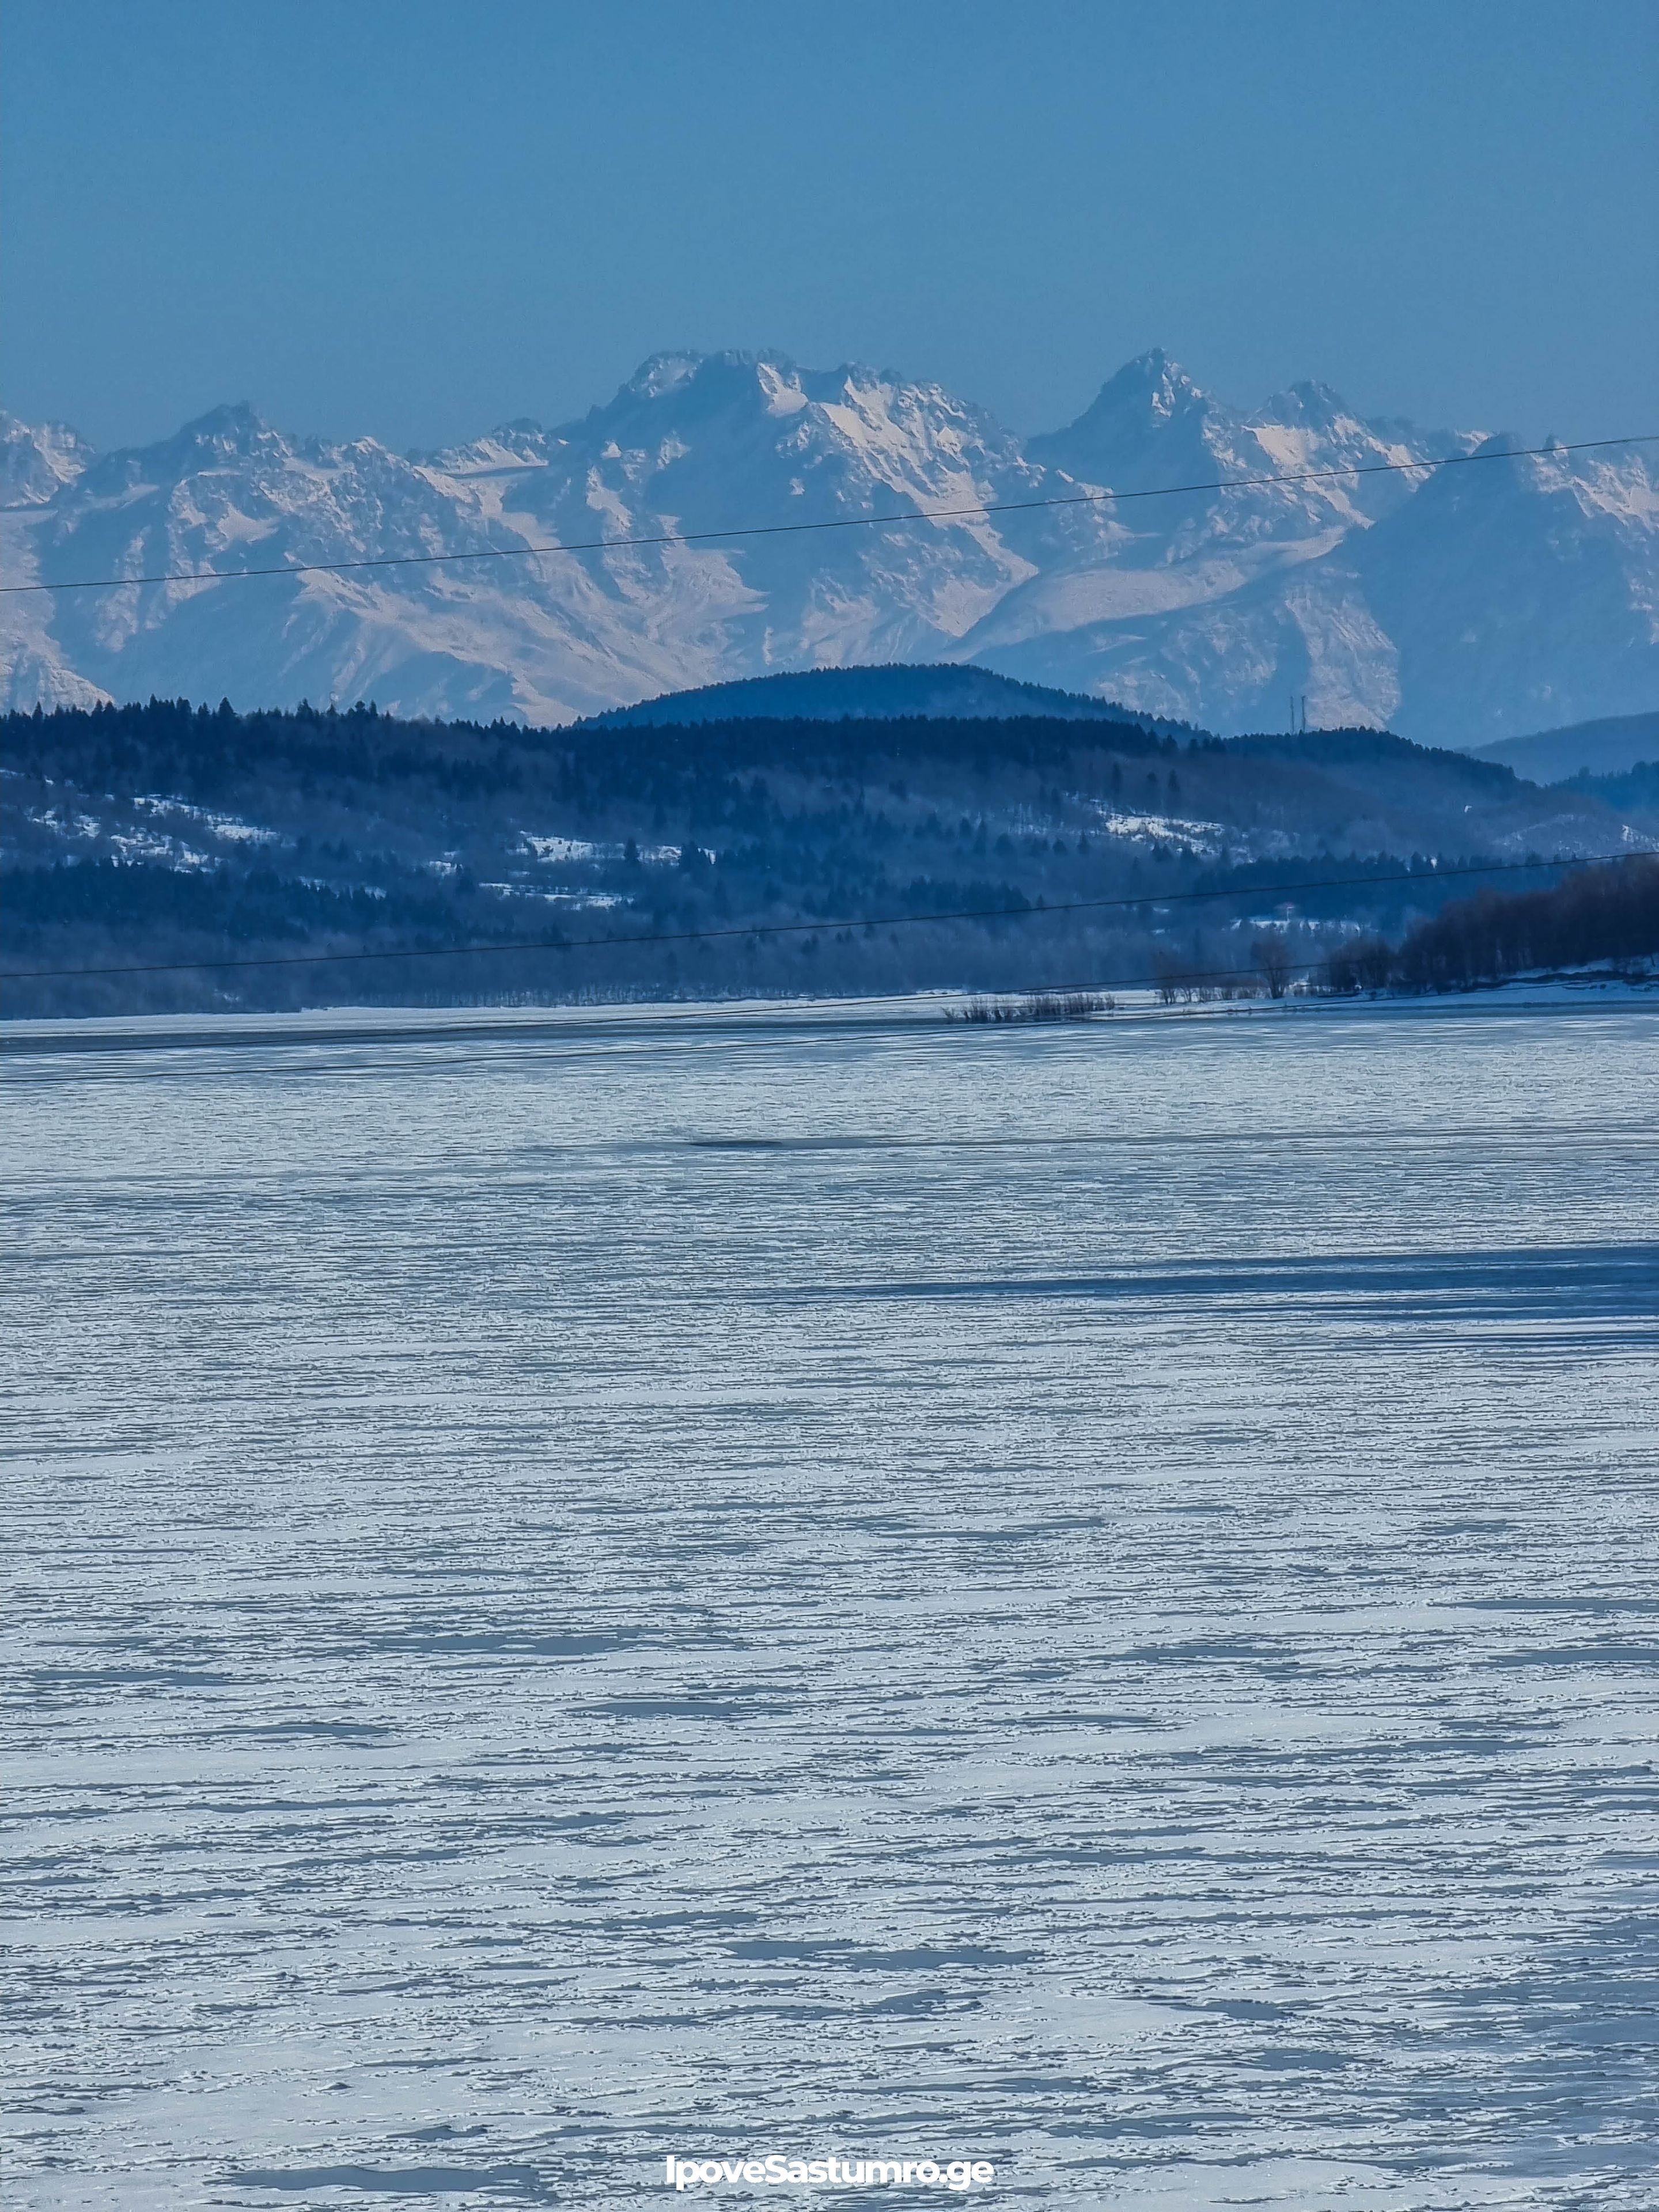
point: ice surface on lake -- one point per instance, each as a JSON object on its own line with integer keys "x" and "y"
{"x": 1081, "y": 1597}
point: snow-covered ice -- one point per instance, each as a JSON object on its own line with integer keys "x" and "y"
{"x": 583, "y": 1587}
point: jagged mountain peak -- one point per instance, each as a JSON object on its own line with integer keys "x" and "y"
{"x": 37, "y": 459}
{"x": 757, "y": 437}
{"x": 1307, "y": 404}
{"x": 1153, "y": 380}
{"x": 663, "y": 373}
{"x": 223, "y": 442}
{"x": 1149, "y": 420}
{"x": 1382, "y": 594}
{"x": 1149, "y": 392}
{"x": 739, "y": 384}
{"x": 672, "y": 389}
{"x": 232, "y": 429}
{"x": 233, "y": 433}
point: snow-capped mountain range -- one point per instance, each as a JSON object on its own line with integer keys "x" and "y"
{"x": 1459, "y": 606}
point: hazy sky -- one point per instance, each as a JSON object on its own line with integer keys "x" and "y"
{"x": 416, "y": 218}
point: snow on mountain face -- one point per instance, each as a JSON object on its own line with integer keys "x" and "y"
{"x": 36, "y": 461}
{"x": 1505, "y": 583}
{"x": 1450, "y": 607}
{"x": 1152, "y": 431}
{"x": 688, "y": 444}
{"x": 1488, "y": 599}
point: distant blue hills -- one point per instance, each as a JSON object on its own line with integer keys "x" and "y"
{"x": 1609, "y": 747}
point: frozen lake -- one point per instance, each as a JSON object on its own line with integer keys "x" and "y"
{"x": 1084, "y": 1597}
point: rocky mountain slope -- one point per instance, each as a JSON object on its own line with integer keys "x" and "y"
{"x": 1461, "y": 607}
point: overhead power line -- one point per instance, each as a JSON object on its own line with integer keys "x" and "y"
{"x": 814, "y": 928}
{"x": 841, "y": 522}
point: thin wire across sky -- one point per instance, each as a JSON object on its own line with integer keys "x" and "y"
{"x": 1090, "y": 498}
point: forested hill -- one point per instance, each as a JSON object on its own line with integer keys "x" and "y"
{"x": 937, "y": 691}
{"x": 168, "y": 836}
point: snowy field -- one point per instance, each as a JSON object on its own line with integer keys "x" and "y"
{"x": 1082, "y": 1597}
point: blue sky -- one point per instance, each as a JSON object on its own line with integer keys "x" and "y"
{"x": 415, "y": 218}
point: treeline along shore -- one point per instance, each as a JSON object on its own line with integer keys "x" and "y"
{"x": 170, "y": 856}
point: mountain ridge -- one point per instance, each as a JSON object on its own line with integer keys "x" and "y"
{"x": 1608, "y": 746}
{"x": 1211, "y": 608}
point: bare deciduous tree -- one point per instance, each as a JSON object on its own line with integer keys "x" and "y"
{"x": 1270, "y": 952}
{"x": 1167, "y": 976}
